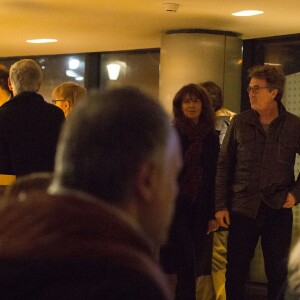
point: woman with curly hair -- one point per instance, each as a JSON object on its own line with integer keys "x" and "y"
{"x": 189, "y": 249}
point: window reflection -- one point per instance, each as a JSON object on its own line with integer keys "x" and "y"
{"x": 56, "y": 69}
{"x": 140, "y": 69}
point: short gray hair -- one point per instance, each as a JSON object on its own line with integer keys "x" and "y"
{"x": 25, "y": 76}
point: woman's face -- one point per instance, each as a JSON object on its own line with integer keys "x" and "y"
{"x": 191, "y": 107}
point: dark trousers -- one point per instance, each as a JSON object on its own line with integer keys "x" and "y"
{"x": 275, "y": 229}
{"x": 188, "y": 252}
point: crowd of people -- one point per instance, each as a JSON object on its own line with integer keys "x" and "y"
{"x": 113, "y": 200}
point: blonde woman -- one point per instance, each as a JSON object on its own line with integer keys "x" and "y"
{"x": 66, "y": 95}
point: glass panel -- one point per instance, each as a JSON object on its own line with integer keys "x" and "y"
{"x": 285, "y": 54}
{"x": 140, "y": 69}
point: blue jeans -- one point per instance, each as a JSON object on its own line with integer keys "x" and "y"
{"x": 275, "y": 229}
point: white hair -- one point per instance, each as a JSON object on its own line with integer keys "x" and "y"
{"x": 25, "y": 76}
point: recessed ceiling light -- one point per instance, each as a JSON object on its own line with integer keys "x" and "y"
{"x": 41, "y": 41}
{"x": 247, "y": 13}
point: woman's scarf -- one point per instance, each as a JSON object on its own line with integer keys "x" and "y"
{"x": 191, "y": 178}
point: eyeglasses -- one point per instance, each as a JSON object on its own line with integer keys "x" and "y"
{"x": 190, "y": 101}
{"x": 255, "y": 89}
{"x": 54, "y": 101}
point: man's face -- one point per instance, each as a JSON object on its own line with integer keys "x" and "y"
{"x": 166, "y": 189}
{"x": 261, "y": 97}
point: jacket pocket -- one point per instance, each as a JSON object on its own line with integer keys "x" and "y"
{"x": 246, "y": 142}
{"x": 286, "y": 150}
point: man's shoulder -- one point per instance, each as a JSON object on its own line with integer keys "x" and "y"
{"x": 245, "y": 116}
{"x": 292, "y": 117}
{"x": 56, "y": 110}
{"x": 32, "y": 102}
{"x": 102, "y": 247}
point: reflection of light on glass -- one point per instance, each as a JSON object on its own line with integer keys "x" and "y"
{"x": 272, "y": 64}
{"x": 74, "y": 63}
{"x": 71, "y": 73}
{"x": 43, "y": 67}
{"x": 79, "y": 78}
{"x": 113, "y": 71}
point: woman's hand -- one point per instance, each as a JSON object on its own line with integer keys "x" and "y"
{"x": 212, "y": 226}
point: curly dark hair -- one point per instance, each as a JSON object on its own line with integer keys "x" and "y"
{"x": 272, "y": 75}
{"x": 207, "y": 114}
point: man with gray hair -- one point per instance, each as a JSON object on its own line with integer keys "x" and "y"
{"x": 95, "y": 233}
{"x": 29, "y": 126}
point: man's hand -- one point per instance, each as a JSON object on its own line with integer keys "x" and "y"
{"x": 290, "y": 201}
{"x": 222, "y": 217}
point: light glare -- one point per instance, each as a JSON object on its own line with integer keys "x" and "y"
{"x": 74, "y": 63}
{"x": 247, "y": 13}
{"x": 41, "y": 41}
{"x": 113, "y": 71}
{"x": 71, "y": 73}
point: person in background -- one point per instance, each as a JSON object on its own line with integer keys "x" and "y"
{"x": 66, "y": 96}
{"x": 5, "y": 93}
{"x": 29, "y": 126}
{"x": 188, "y": 252}
{"x": 255, "y": 183}
{"x": 223, "y": 117}
{"x": 95, "y": 233}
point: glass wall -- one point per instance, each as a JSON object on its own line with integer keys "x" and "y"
{"x": 140, "y": 69}
{"x": 56, "y": 69}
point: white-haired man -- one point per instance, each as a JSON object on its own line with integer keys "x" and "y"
{"x": 29, "y": 126}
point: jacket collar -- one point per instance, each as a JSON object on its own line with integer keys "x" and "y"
{"x": 253, "y": 117}
{"x": 25, "y": 96}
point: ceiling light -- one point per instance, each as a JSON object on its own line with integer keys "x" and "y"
{"x": 247, "y": 13}
{"x": 41, "y": 41}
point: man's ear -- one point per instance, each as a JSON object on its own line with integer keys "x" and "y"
{"x": 145, "y": 181}
{"x": 9, "y": 84}
{"x": 274, "y": 93}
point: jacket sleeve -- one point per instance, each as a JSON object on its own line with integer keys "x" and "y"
{"x": 211, "y": 151}
{"x": 225, "y": 169}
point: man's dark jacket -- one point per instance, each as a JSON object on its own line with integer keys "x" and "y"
{"x": 74, "y": 247}
{"x": 254, "y": 166}
{"x": 29, "y": 130}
